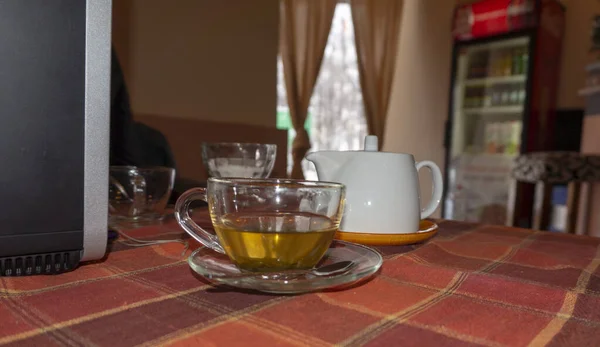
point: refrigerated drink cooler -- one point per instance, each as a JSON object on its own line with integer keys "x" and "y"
{"x": 502, "y": 103}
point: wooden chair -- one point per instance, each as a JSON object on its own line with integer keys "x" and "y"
{"x": 545, "y": 170}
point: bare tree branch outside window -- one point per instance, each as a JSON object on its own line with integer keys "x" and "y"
{"x": 336, "y": 115}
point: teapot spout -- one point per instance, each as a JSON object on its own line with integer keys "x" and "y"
{"x": 327, "y": 163}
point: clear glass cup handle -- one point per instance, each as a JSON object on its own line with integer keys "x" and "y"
{"x": 138, "y": 200}
{"x": 182, "y": 215}
{"x": 115, "y": 184}
{"x": 138, "y": 183}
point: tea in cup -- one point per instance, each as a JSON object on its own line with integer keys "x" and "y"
{"x": 267, "y": 225}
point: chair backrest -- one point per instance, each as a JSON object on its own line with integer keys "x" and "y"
{"x": 556, "y": 167}
{"x": 185, "y": 137}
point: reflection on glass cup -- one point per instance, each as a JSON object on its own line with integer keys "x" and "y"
{"x": 241, "y": 160}
{"x": 267, "y": 225}
{"x": 139, "y": 195}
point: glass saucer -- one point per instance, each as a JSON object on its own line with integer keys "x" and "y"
{"x": 218, "y": 269}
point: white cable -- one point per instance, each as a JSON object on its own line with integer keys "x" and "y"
{"x": 141, "y": 243}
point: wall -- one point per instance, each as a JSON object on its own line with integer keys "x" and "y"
{"x": 589, "y": 219}
{"x": 205, "y": 59}
{"x": 576, "y": 51}
{"x": 419, "y": 102}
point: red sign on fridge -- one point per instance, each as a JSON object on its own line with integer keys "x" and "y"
{"x": 491, "y": 17}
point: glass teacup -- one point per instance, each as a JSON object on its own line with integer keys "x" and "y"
{"x": 242, "y": 160}
{"x": 138, "y": 195}
{"x": 267, "y": 225}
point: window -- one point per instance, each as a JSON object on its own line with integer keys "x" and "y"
{"x": 335, "y": 116}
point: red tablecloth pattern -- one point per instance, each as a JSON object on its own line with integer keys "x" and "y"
{"x": 470, "y": 285}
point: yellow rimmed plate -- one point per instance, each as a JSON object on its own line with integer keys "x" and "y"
{"x": 427, "y": 229}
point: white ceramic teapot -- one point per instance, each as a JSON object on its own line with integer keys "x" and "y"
{"x": 382, "y": 189}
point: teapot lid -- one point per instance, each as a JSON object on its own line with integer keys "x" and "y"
{"x": 371, "y": 143}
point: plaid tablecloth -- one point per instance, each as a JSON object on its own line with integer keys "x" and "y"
{"x": 470, "y": 285}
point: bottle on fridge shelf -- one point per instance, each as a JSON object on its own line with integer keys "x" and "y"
{"x": 483, "y": 63}
{"x": 481, "y": 66}
{"x": 478, "y": 65}
{"x": 517, "y": 62}
{"x": 472, "y": 71}
{"x": 514, "y": 94}
{"x": 524, "y": 61}
{"x": 501, "y": 142}
{"x": 504, "y": 95}
{"x": 507, "y": 64}
{"x": 514, "y": 141}
{"x": 481, "y": 97}
{"x": 474, "y": 97}
{"x": 491, "y": 138}
{"x": 522, "y": 94}
{"x": 477, "y": 69}
{"x": 489, "y": 66}
{"x": 487, "y": 98}
{"x": 475, "y": 92}
{"x": 496, "y": 96}
{"x": 468, "y": 102}
{"x": 507, "y": 137}
{"x": 467, "y": 99}
{"x": 495, "y": 65}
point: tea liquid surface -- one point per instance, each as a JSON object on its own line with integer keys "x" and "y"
{"x": 275, "y": 241}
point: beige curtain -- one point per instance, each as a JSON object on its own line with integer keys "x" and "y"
{"x": 304, "y": 28}
{"x": 376, "y": 32}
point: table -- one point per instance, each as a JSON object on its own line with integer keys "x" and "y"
{"x": 470, "y": 285}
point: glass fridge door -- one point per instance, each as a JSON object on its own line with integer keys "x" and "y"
{"x": 489, "y": 95}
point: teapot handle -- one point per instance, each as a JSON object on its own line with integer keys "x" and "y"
{"x": 438, "y": 187}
